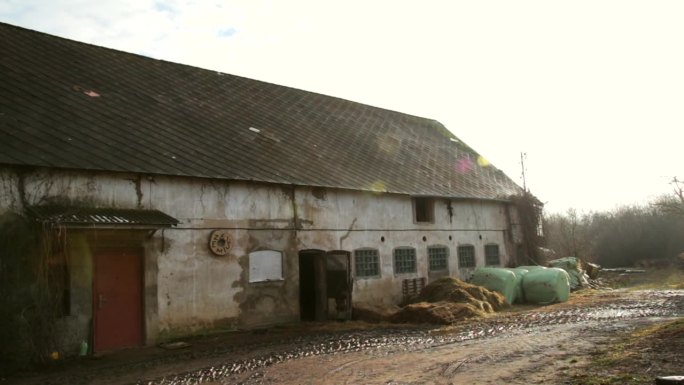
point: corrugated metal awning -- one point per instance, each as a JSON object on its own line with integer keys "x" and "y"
{"x": 102, "y": 217}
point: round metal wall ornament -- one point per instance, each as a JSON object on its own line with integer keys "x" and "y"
{"x": 220, "y": 242}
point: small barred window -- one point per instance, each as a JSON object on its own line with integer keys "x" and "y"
{"x": 492, "y": 257}
{"x": 367, "y": 263}
{"x": 438, "y": 257}
{"x": 466, "y": 256}
{"x": 404, "y": 260}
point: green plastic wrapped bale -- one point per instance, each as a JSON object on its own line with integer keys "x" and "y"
{"x": 531, "y": 267}
{"x": 519, "y": 273}
{"x": 572, "y": 265}
{"x": 496, "y": 279}
{"x": 546, "y": 286}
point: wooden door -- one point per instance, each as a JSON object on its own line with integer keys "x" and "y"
{"x": 117, "y": 299}
{"x": 339, "y": 283}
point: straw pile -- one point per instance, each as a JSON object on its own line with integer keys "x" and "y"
{"x": 447, "y": 301}
{"x": 439, "y": 313}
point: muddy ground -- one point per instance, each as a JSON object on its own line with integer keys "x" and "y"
{"x": 570, "y": 343}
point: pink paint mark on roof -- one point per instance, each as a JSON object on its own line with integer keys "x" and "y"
{"x": 464, "y": 165}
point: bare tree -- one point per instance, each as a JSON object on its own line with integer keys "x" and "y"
{"x": 673, "y": 204}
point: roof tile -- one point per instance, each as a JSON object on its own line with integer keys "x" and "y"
{"x": 73, "y": 105}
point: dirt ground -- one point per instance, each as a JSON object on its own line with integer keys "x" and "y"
{"x": 538, "y": 355}
{"x": 598, "y": 337}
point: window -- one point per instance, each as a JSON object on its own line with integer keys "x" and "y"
{"x": 424, "y": 209}
{"x": 265, "y": 265}
{"x": 492, "y": 255}
{"x": 404, "y": 260}
{"x": 466, "y": 256}
{"x": 367, "y": 263}
{"x": 438, "y": 257}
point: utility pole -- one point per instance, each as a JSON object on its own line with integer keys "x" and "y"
{"x": 523, "y": 155}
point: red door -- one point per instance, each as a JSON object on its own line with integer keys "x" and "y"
{"x": 117, "y": 299}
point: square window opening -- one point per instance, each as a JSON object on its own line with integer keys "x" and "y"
{"x": 424, "y": 210}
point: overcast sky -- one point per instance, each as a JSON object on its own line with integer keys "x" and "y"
{"x": 592, "y": 91}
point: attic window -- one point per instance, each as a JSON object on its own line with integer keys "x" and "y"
{"x": 424, "y": 210}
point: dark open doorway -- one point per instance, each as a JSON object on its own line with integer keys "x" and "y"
{"x": 325, "y": 285}
{"x": 312, "y": 285}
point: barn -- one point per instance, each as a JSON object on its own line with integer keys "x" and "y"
{"x": 163, "y": 200}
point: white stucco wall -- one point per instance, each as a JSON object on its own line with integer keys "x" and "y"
{"x": 194, "y": 289}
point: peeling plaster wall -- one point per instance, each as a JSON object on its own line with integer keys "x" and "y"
{"x": 187, "y": 288}
{"x": 198, "y": 289}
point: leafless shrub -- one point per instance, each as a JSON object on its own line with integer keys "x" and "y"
{"x": 29, "y": 304}
{"x": 529, "y": 210}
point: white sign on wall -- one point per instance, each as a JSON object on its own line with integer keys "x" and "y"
{"x": 265, "y": 265}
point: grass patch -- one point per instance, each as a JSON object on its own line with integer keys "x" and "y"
{"x": 652, "y": 279}
{"x": 661, "y": 279}
{"x": 597, "y": 379}
{"x": 645, "y": 354}
{"x": 674, "y": 329}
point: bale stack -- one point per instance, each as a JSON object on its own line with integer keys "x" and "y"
{"x": 546, "y": 286}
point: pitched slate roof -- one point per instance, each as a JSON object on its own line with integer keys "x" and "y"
{"x": 77, "y": 106}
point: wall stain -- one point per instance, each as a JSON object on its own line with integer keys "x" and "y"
{"x": 137, "y": 183}
{"x": 280, "y": 297}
